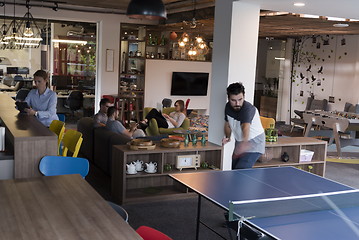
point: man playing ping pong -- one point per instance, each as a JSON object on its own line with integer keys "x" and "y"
{"x": 242, "y": 119}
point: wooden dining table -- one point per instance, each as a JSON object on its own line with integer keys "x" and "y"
{"x": 58, "y": 207}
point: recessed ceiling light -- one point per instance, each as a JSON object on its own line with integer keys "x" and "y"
{"x": 340, "y": 25}
{"x": 299, "y": 4}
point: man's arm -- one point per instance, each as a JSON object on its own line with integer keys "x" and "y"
{"x": 245, "y": 144}
{"x": 227, "y": 133}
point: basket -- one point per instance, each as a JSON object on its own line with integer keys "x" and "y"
{"x": 144, "y": 147}
{"x": 170, "y": 143}
{"x": 141, "y": 142}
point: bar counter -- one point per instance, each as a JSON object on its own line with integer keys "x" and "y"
{"x": 26, "y": 137}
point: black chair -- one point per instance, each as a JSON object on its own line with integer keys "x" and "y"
{"x": 74, "y": 102}
{"x": 22, "y": 94}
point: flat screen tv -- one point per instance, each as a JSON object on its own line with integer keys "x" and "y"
{"x": 189, "y": 84}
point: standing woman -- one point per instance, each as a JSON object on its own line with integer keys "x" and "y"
{"x": 42, "y": 100}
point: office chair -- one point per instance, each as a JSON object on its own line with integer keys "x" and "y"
{"x": 148, "y": 233}
{"x": 122, "y": 212}
{"x": 74, "y": 101}
{"x": 58, "y": 127}
{"x": 59, "y": 165}
{"x": 22, "y": 94}
{"x": 72, "y": 141}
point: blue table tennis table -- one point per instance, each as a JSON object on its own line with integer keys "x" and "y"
{"x": 282, "y": 203}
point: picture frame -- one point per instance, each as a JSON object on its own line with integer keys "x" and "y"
{"x": 110, "y": 60}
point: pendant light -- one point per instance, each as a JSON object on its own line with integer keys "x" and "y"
{"x": 147, "y": 9}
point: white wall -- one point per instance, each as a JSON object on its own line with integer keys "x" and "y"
{"x": 158, "y": 82}
{"x": 339, "y": 77}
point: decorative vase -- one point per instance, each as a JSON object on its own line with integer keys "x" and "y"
{"x": 194, "y": 140}
{"x": 186, "y": 140}
{"x": 173, "y": 35}
{"x": 203, "y": 140}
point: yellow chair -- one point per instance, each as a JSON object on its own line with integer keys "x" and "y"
{"x": 72, "y": 142}
{"x": 58, "y": 127}
{"x": 267, "y": 122}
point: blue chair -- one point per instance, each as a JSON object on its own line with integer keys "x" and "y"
{"x": 59, "y": 165}
{"x": 61, "y": 117}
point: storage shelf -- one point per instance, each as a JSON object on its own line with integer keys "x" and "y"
{"x": 125, "y": 186}
{"x": 292, "y": 146}
{"x": 165, "y": 173}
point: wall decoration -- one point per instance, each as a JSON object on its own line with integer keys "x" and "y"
{"x": 110, "y": 60}
{"x": 317, "y": 70}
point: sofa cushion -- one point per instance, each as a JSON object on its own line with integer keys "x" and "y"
{"x": 85, "y": 126}
{"x": 104, "y": 139}
{"x": 319, "y": 104}
{"x": 352, "y": 109}
{"x": 347, "y": 106}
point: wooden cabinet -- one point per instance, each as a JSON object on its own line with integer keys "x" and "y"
{"x": 126, "y": 188}
{"x": 268, "y": 107}
{"x": 293, "y": 146}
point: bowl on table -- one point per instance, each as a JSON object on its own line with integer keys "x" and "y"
{"x": 170, "y": 142}
{"x": 141, "y": 142}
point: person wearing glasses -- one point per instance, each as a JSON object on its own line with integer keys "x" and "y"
{"x": 42, "y": 100}
{"x": 100, "y": 118}
{"x": 172, "y": 120}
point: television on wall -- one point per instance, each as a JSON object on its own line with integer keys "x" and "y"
{"x": 189, "y": 84}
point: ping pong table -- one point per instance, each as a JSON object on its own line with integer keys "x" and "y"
{"x": 282, "y": 202}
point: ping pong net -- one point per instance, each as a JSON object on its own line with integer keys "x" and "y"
{"x": 270, "y": 207}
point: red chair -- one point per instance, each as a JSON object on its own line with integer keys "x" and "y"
{"x": 187, "y": 103}
{"x": 148, "y": 233}
{"x": 186, "y": 111}
{"x": 109, "y": 97}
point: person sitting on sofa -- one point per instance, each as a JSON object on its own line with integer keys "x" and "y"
{"x": 173, "y": 120}
{"x": 100, "y": 118}
{"x": 117, "y": 127}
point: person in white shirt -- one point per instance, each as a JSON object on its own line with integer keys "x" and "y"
{"x": 172, "y": 120}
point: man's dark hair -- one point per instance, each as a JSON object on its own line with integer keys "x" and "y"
{"x": 110, "y": 111}
{"x": 41, "y": 73}
{"x": 104, "y": 101}
{"x": 235, "y": 89}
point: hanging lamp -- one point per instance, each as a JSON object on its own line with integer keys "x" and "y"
{"x": 146, "y": 9}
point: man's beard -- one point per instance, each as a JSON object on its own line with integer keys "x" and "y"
{"x": 237, "y": 108}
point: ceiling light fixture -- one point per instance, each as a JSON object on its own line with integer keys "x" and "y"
{"x": 3, "y": 31}
{"x": 69, "y": 41}
{"x": 29, "y": 32}
{"x": 299, "y": 4}
{"x": 146, "y": 9}
{"x": 340, "y": 25}
{"x": 10, "y": 37}
{"x": 194, "y": 46}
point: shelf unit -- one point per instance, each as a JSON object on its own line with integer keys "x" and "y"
{"x": 129, "y": 188}
{"x": 292, "y": 146}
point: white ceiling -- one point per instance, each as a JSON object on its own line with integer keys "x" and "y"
{"x": 331, "y": 8}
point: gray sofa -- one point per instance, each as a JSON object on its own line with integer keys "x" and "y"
{"x": 97, "y": 143}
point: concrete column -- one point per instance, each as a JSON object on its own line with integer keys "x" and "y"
{"x": 234, "y": 59}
